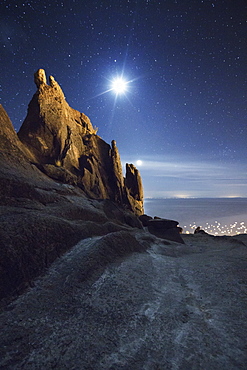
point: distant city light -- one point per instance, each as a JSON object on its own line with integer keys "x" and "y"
{"x": 217, "y": 228}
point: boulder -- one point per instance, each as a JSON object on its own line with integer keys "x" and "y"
{"x": 165, "y": 229}
{"x": 198, "y": 230}
{"x": 162, "y": 223}
{"x": 144, "y": 219}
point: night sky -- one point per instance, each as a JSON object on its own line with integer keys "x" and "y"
{"x": 184, "y": 111}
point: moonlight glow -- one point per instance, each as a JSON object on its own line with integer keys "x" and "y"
{"x": 119, "y": 85}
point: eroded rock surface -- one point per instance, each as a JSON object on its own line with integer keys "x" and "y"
{"x": 113, "y": 303}
{"x": 134, "y": 189}
{"x": 66, "y": 147}
{"x": 41, "y": 218}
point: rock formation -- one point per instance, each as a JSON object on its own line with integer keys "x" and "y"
{"x": 41, "y": 218}
{"x": 144, "y": 219}
{"x": 133, "y": 188}
{"x": 65, "y": 146}
{"x": 167, "y": 229}
{"x": 52, "y": 175}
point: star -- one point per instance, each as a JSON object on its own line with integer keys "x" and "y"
{"x": 149, "y": 78}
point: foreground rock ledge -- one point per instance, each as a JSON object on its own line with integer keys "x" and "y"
{"x": 157, "y": 307}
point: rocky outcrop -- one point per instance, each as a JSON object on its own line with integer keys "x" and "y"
{"x": 18, "y": 176}
{"x": 66, "y": 147}
{"x": 10, "y": 145}
{"x": 41, "y": 218}
{"x": 134, "y": 190}
{"x": 198, "y": 230}
{"x": 165, "y": 229}
{"x": 144, "y": 219}
{"x": 162, "y": 228}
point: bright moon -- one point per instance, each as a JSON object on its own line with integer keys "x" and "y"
{"x": 119, "y": 86}
{"x": 139, "y": 162}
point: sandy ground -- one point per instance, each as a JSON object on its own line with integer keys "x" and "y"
{"x": 169, "y": 307}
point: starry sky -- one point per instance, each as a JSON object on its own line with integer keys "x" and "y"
{"x": 183, "y": 115}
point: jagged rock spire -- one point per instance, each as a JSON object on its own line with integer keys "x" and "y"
{"x": 39, "y": 77}
{"x": 65, "y": 145}
{"x": 134, "y": 189}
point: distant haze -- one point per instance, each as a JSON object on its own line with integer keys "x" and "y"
{"x": 187, "y": 177}
{"x": 218, "y": 216}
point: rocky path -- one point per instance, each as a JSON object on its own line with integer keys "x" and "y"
{"x": 148, "y": 310}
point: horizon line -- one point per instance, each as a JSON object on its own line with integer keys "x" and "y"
{"x": 225, "y": 197}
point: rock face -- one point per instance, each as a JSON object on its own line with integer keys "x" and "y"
{"x": 65, "y": 146}
{"x": 40, "y": 218}
{"x": 133, "y": 188}
{"x": 10, "y": 145}
{"x": 84, "y": 194}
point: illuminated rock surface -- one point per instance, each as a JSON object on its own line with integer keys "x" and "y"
{"x": 41, "y": 218}
{"x": 66, "y": 147}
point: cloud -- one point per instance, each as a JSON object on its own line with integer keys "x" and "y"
{"x": 175, "y": 176}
